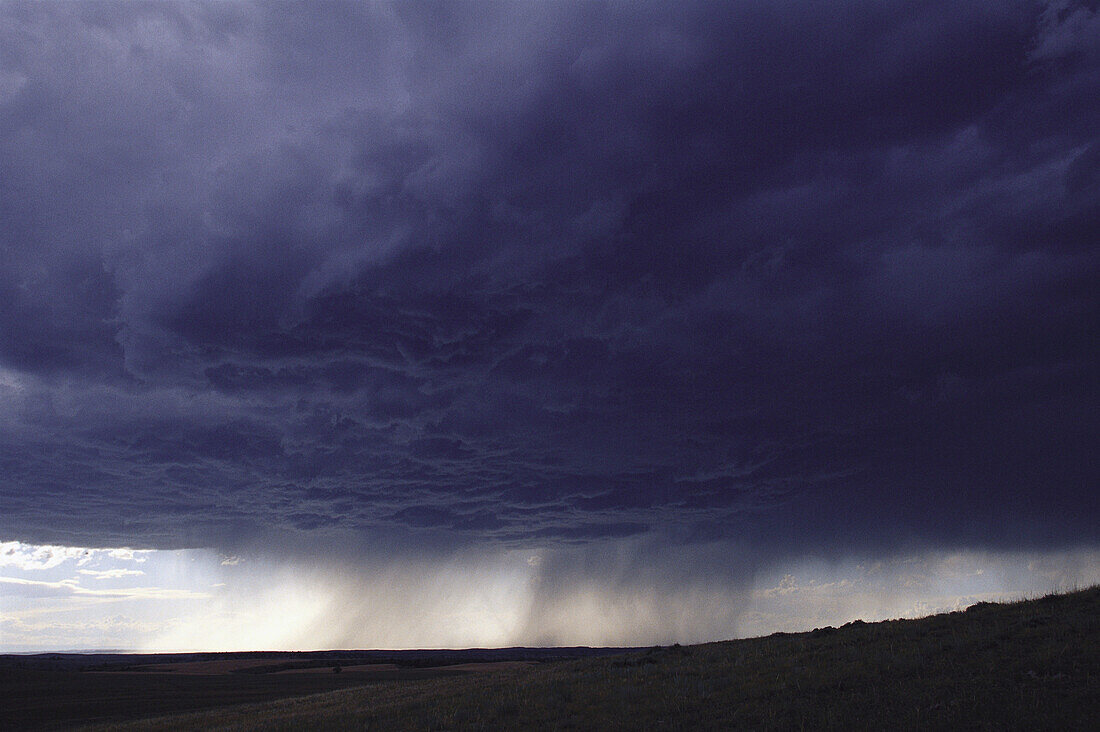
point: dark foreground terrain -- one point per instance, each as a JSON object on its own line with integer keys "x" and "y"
{"x": 65, "y": 690}
{"x": 1027, "y": 665}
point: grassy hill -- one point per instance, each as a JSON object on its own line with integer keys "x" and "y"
{"x": 1030, "y": 664}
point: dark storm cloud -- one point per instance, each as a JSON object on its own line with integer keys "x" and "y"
{"x": 805, "y": 274}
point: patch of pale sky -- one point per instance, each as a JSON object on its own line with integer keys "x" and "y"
{"x": 816, "y": 593}
{"x": 193, "y": 600}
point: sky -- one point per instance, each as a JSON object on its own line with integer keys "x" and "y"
{"x": 559, "y": 322}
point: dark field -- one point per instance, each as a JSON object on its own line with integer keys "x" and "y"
{"x": 1027, "y": 665}
{"x": 64, "y": 690}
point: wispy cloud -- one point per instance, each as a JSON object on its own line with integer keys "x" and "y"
{"x": 31, "y": 557}
{"x": 72, "y": 587}
{"x": 111, "y": 573}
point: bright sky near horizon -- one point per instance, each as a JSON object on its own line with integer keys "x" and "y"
{"x": 56, "y": 598}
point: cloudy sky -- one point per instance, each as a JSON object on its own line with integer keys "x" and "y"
{"x": 573, "y": 310}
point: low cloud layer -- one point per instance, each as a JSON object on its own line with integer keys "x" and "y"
{"x": 807, "y": 277}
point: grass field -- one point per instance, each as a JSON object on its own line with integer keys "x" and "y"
{"x": 62, "y": 690}
{"x": 1028, "y": 665}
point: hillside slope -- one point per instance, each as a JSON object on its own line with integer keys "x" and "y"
{"x": 1030, "y": 664}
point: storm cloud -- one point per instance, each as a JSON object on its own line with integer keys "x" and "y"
{"x": 815, "y": 277}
